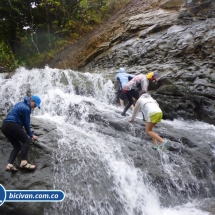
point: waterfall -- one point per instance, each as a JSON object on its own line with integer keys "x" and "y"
{"x": 97, "y": 177}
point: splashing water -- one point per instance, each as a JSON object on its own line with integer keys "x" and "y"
{"x": 92, "y": 170}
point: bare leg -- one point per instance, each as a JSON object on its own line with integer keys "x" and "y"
{"x": 121, "y": 103}
{"x": 134, "y": 101}
{"x": 132, "y": 107}
{"x": 155, "y": 137}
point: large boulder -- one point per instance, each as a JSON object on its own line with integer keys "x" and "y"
{"x": 41, "y": 154}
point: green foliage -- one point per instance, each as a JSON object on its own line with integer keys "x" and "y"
{"x": 33, "y": 28}
{"x": 6, "y": 58}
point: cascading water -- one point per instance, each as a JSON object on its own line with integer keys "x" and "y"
{"x": 92, "y": 169}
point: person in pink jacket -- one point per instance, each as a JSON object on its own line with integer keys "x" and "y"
{"x": 131, "y": 88}
{"x": 152, "y": 114}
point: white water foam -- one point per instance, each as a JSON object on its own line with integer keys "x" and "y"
{"x": 58, "y": 93}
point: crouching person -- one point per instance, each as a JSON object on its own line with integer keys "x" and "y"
{"x": 152, "y": 114}
{"x": 12, "y": 127}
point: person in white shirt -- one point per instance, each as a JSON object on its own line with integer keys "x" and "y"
{"x": 152, "y": 114}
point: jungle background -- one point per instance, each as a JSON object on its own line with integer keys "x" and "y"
{"x": 33, "y": 31}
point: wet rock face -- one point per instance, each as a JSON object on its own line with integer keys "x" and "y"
{"x": 186, "y": 47}
{"x": 188, "y": 95}
{"x": 40, "y": 153}
{"x": 172, "y": 4}
{"x": 201, "y": 8}
{"x": 181, "y": 50}
{"x": 175, "y": 38}
{"x": 189, "y": 157}
{"x": 183, "y": 57}
{"x": 128, "y": 23}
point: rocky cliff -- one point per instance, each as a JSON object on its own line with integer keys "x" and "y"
{"x": 175, "y": 38}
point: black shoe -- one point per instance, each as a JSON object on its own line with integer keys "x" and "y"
{"x": 123, "y": 114}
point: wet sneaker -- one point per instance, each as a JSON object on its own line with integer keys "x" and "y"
{"x": 164, "y": 144}
{"x": 154, "y": 147}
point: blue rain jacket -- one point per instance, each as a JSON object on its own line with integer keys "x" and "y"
{"x": 123, "y": 78}
{"x": 20, "y": 114}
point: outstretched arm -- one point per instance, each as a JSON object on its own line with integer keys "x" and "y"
{"x": 135, "y": 111}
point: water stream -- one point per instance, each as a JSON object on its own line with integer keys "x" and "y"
{"x": 96, "y": 175}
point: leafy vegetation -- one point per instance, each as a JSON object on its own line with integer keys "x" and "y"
{"x": 7, "y": 60}
{"x": 32, "y": 31}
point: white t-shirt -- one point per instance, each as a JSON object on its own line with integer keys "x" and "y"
{"x": 147, "y": 105}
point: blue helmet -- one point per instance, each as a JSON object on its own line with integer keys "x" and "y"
{"x": 121, "y": 70}
{"x": 37, "y": 100}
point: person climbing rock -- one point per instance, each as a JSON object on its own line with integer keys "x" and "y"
{"x": 152, "y": 114}
{"x": 123, "y": 78}
{"x": 12, "y": 127}
{"x": 131, "y": 89}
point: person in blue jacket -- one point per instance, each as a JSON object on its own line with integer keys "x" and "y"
{"x": 123, "y": 78}
{"x": 12, "y": 127}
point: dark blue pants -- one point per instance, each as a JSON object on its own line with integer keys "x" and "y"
{"x": 129, "y": 94}
{"x": 15, "y": 135}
